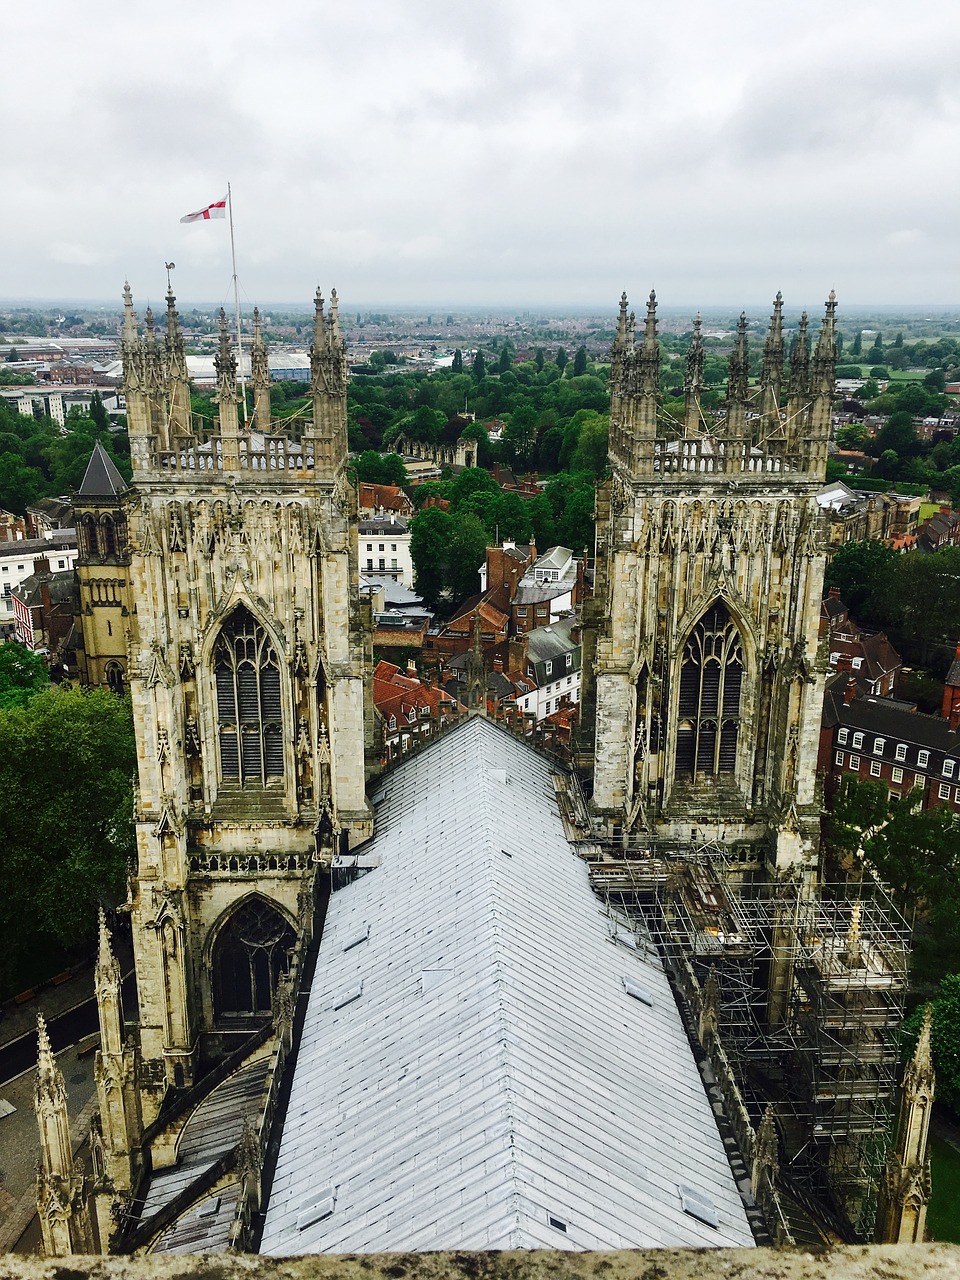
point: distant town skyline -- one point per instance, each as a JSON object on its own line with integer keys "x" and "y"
{"x": 509, "y": 156}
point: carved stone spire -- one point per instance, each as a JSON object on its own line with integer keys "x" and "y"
{"x": 905, "y": 1186}
{"x": 328, "y": 378}
{"x": 737, "y": 390}
{"x": 619, "y": 358}
{"x": 131, "y": 335}
{"x": 139, "y": 417}
{"x": 476, "y": 669}
{"x": 115, "y": 1076}
{"x": 650, "y": 351}
{"x": 852, "y": 956}
{"x": 772, "y": 375}
{"x": 693, "y": 383}
{"x": 107, "y": 986}
{"x": 635, "y": 396}
{"x": 260, "y": 376}
{"x": 225, "y": 363}
{"x": 823, "y": 368}
{"x": 178, "y": 383}
{"x": 50, "y": 1103}
{"x": 765, "y": 1153}
{"x": 61, "y": 1189}
{"x": 799, "y": 384}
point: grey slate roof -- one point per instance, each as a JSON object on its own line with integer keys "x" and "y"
{"x": 101, "y": 478}
{"x": 471, "y": 1063}
{"x": 554, "y": 641}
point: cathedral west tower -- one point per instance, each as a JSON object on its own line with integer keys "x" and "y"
{"x": 247, "y": 655}
{"x": 710, "y": 565}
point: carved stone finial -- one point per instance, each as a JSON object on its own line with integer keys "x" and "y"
{"x": 852, "y": 955}
{"x": 105, "y": 957}
{"x": 45, "y": 1060}
{"x": 919, "y": 1075}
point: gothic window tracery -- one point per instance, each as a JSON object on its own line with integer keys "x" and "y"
{"x": 252, "y": 950}
{"x": 711, "y": 678}
{"x": 247, "y": 672}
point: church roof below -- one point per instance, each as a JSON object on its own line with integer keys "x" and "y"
{"x": 101, "y": 478}
{"x": 487, "y": 1061}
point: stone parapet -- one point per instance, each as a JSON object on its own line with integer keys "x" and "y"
{"x": 869, "y": 1262}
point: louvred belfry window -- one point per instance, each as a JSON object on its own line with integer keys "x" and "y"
{"x": 248, "y": 702}
{"x": 711, "y": 677}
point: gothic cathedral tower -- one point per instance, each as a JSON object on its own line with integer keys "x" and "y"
{"x": 247, "y": 654}
{"x": 709, "y": 577}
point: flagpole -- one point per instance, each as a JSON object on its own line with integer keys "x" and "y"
{"x": 236, "y": 299}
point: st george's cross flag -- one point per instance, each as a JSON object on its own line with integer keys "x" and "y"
{"x": 216, "y": 210}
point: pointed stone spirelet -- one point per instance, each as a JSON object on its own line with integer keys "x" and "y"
{"x": 650, "y": 326}
{"x": 129, "y": 316}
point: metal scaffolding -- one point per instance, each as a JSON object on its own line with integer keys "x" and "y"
{"x": 811, "y": 983}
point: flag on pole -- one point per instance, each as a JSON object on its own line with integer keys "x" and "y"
{"x": 216, "y": 210}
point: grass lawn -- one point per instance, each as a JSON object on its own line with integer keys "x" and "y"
{"x": 943, "y": 1212}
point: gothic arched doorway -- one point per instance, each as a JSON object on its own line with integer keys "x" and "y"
{"x": 708, "y": 712}
{"x": 249, "y": 955}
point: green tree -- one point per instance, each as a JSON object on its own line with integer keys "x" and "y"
{"x": 479, "y": 367}
{"x": 457, "y": 366}
{"x": 944, "y": 1039}
{"x": 20, "y": 485}
{"x": 470, "y": 481}
{"x": 857, "y": 348}
{"x": 917, "y": 852}
{"x": 935, "y": 380}
{"x": 67, "y": 761}
{"x": 371, "y": 467}
{"x": 860, "y": 570}
{"x": 431, "y": 531}
{"x": 22, "y": 674}
{"x": 519, "y": 435}
{"x": 898, "y": 433}
{"x": 99, "y": 417}
{"x": 542, "y": 521}
{"x": 561, "y": 359}
{"x": 468, "y": 544}
{"x": 857, "y": 807}
{"x": 538, "y": 359}
{"x": 591, "y": 451}
{"x": 853, "y": 436}
{"x": 580, "y": 362}
{"x": 551, "y": 442}
{"x": 505, "y": 362}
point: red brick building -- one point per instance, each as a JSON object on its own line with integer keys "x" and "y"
{"x": 888, "y": 741}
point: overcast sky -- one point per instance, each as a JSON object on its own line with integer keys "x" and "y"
{"x": 512, "y": 152}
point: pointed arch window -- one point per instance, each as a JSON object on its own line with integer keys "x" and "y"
{"x": 109, "y": 536}
{"x": 711, "y": 678}
{"x": 252, "y": 950}
{"x": 113, "y": 672}
{"x": 247, "y": 672}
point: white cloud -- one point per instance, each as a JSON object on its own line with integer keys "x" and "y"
{"x": 500, "y": 153}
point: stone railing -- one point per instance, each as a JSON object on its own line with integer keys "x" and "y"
{"x": 248, "y": 864}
